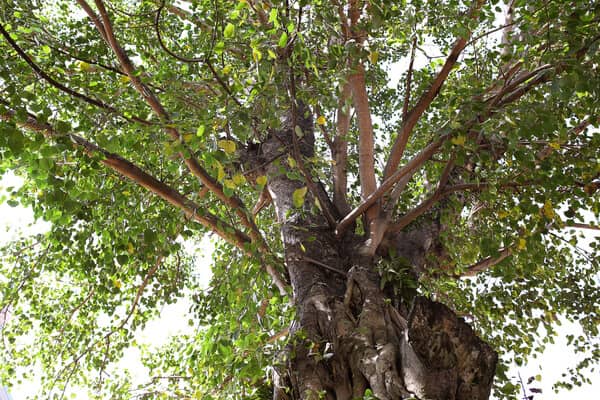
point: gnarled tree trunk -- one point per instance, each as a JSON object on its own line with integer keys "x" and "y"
{"x": 349, "y": 334}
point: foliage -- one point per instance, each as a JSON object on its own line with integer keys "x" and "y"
{"x": 516, "y": 120}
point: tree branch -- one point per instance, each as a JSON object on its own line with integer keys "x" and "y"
{"x": 583, "y": 226}
{"x": 366, "y": 153}
{"x": 140, "y": 177}
{"x": 487, "y": 263}
{"x": 297, "y": 155}
{"x": 441, "y": 193}
{"x": 340, "y": 152}
{"x": 205, "y": 60}
{"x": 213, "y": 185}
{"x": 76, "y": 309}
{"x": 389, "y": 183}
{"x": 415, "y": 113}
{"x": 409, "y": 79}
{"x": 140, "y": 291}
{"x": 124, "y": 167}
{"x": 366, "y": 141}
{"x": 60, "y": 86}
{"x": 94, "y": 18}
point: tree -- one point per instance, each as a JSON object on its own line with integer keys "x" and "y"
{"x": 348, "y": 208}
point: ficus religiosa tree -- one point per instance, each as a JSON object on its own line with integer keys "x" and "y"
{"x": 395, "y": 188}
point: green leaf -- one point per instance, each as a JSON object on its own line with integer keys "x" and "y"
{"x": 298, "y": 131}
{"x": 256, "y": 55}
{"x": 229, "y": 31}
{"x": 283, "y": 39}
{"x": 291, "y": 161}
{"x": 274, "y": 17}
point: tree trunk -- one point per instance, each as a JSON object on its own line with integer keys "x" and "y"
{"x": 351, "y": 335}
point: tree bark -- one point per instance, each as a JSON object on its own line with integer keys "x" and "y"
{"x": 350, "y": 334}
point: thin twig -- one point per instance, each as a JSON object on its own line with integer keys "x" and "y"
{"x": 409, "y": 79}
{"x": 320, "y": 264}
{"x": 583, "y": 226}
{"x": 142, "y": 178}
{"x": 487, "y": 262}
{"x": 60, "y": 86}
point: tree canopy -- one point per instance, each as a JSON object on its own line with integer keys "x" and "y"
{"x": 138, "y": 125}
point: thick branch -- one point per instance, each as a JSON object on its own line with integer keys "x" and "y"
{"x": 366, "y": 153}
{"x": 126, "y": 168}
{"x": 233, "y": 202}
{"x": 360, "y": 97}
{"x": 142, "y": 178}
{"x": 340, "y": 152}
{"x": 415, "y": 113}
{"x": 389, "y": 183}
{"x": 92, "y": 15}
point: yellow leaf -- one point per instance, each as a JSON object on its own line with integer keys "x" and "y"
{"x": 291, "y": 161}
{"x": 238, "y": 179}
{"x": 458, "y": 140}
{"x": 187, "y": 137}
{"x": 321, "y": 120}
{"x": 220, "y": 170}
{"x": 256, "y": 55}
{"x": 130, "y": 248}
{"x": 298, "y": 196}
{"x": 229, "y": 183}
{"x": 124, "y": 79}
{"x": 84, "y": 67}
{"x": 548, "y": 210}
{"x": 261, "y": 180}
{"x": 502, "y": 214}
{"x": 522, "y": 244}
{"x": 117, "y": 283}
{"x": 554, "y": 145}
{"x": 373, "y": 57}
{"x": 226, "y": 69}
{"x": 228, "y": 146}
